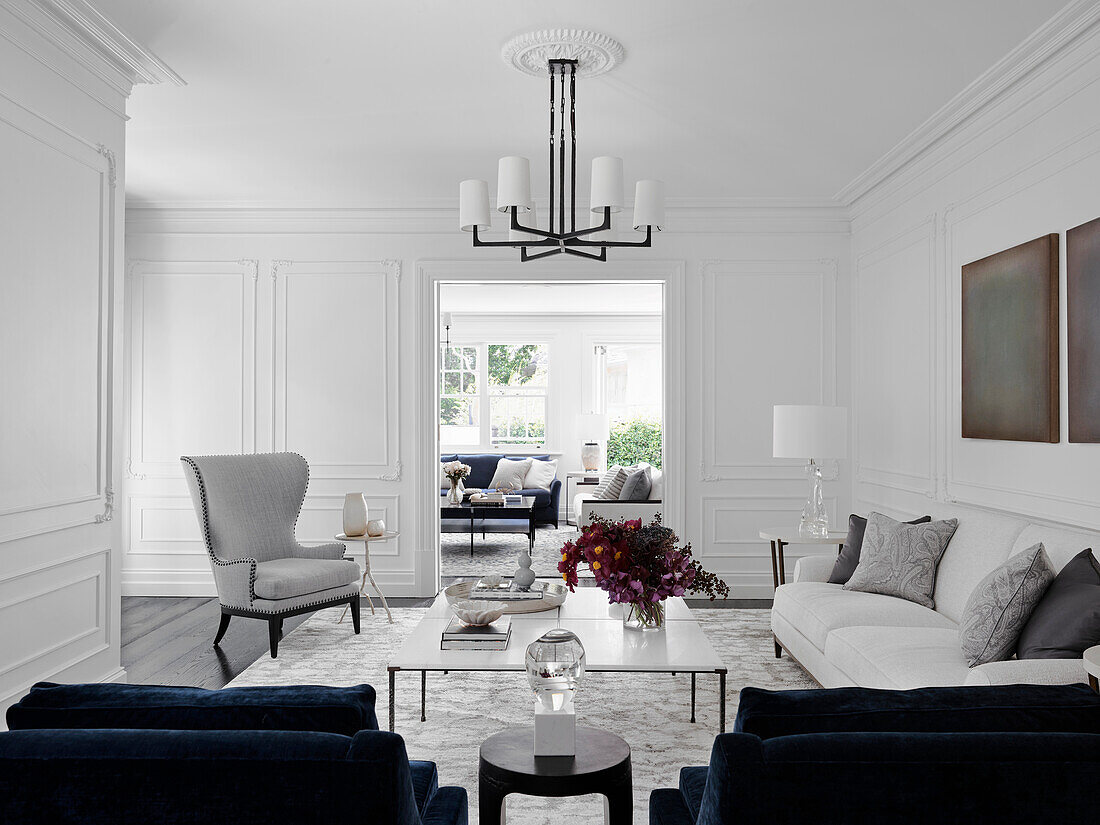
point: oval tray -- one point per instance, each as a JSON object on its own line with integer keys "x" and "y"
{"x": 553, "y": 596}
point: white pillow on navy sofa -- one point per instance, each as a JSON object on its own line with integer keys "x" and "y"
{"x": 510, "y": 474}
{"x": 541, "y": 475}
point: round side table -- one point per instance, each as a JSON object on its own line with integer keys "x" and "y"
{"x": 1092, "y": 667}
{"x": 386, "y": 536}
{"x": 508, "y": 765}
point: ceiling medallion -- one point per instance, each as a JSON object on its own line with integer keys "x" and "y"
{"x": 595, "y": 53}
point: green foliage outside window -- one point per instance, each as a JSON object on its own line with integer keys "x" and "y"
{"x": 636, "y": 440}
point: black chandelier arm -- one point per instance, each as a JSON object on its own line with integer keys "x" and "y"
{"x": 601, "y": 257}
{"x": 513, "y": 244}
{"x": 647, "y": 242}
{"x": 523, "y": 256}
{"x": 558, "y": 236}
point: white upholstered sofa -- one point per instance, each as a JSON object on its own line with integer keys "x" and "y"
{"x": 585, "y": 506}
{"x": 846, "y": 638}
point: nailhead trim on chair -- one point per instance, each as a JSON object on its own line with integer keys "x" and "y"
{"x": 209, "y": 543}
{"x": 307, "y": 604}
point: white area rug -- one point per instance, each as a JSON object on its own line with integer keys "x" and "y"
{"x": 652, "y": 712}
{"x": 499, "y": 552}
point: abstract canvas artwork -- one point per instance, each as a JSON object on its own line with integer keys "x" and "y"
{"x": 1083, "y": 317}
{"x": 1010, "y": 344}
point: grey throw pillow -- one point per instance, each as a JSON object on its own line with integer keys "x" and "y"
{"x": 1066, "y": 621}
{"x": 611, "y": 484}
{"x": 848, "y": 557}
{"x": 901, "y": 559}
{"x": 1001, "y": 604}
{"x": 636, "y": 487}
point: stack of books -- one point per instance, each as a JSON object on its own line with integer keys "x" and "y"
{"x": 511, "y": 593}
{"x": 492, "y": 498}
{"x": 459, "y": 636}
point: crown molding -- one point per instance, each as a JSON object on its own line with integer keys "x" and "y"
{"x": 1052, "y": 37}
{"x": 80, "y": 31}
{"x": 440, "y": 217}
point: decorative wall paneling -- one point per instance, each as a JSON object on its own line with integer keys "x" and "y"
{"x": 225, "y": 359}
{"x": 64, "y": 79}
{"x": 894, "y": 341}
{"x": 193, "y": 368}
{"x": 336, "y": 363}
{"x": 783, "y": 313}
{"x": 1020, "y": 168}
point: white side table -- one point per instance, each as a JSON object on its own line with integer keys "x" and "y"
{"x": 780, "y": 537}
{"x": 580, "y": 478}
{"x": 366, "y": 570}
{"x": 1092, "y": 667}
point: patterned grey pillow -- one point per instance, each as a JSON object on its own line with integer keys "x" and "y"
{"x": 1001, "y": 604}
{"x": 901, "y": 559}
{"x": 611, "y": 484}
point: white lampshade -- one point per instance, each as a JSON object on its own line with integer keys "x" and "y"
{"x": 807, "y": 431}
{"x": 649, "y": 205}
{"x": 532, "y": 219}
{"x": 593, "y": 426}
{"x": 607, "y": 184}
{"x": 446, "y": 319}
{"x": 513, "y": 183}
{"x": 473, "y": 205}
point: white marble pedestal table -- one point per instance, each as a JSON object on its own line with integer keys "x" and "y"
{"x": 1092, "y": 667}
{"x": 386, "y": 536}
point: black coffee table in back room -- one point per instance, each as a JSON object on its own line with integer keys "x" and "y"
{"x": 508, "y": 765}
{"x": 495, "y": 518}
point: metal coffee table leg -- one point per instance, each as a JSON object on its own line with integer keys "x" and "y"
{"x": 393, "y": 673}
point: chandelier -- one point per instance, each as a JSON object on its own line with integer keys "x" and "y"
{"x": 514, "y": 173}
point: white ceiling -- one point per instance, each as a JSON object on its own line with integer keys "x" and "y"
{"x": 346, "y": 103}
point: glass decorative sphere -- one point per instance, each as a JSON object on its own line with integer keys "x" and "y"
{"x": 555, "y": 664}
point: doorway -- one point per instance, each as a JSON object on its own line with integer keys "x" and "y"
{"x": 515, "y": 371}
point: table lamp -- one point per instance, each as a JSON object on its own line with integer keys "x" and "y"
{"x": 593, "y": 429}
{"x": 811, "y": 432}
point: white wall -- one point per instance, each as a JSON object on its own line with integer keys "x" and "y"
{"x": 750, "y": 278}
{"x": 63, "y": 88}
{"x": 1023, "y": 165}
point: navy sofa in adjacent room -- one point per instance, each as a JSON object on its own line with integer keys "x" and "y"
{"x": 965, "y": 755}
{"x": 106, "y": 753}
{"x": 483, "y": 466}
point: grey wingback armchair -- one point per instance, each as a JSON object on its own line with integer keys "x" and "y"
{"x": 247, "y": 507}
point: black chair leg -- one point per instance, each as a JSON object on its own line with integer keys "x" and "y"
{"x": 222, "y": 628}
{"x": 355, "y": 618}
{"x": 274, "y": 631}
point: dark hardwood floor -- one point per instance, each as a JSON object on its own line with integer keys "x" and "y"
{"x": 168, "y": 640}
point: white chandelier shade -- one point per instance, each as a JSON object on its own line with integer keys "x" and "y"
{"x": 607, "y": 184}
{"x": 513, "y": 183}
{"x": 473, "y": 205}
{"x": 649, "y": 205}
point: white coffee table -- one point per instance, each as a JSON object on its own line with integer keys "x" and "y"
{"x": 681, "y": 647}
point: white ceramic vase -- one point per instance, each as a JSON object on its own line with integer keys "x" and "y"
{"x": 376, "y": 528}
{"x": 355, "y": 514}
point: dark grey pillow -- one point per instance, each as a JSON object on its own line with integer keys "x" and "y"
{"x": 1001, "y": 604}
{"x": 901, "y": 559}
{"x": 1066, "y": 621}
{"x": 637, "y": 485}
{"x": 848, "y": 557}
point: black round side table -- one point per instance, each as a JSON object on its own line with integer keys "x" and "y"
{"x": 508, "y": 765}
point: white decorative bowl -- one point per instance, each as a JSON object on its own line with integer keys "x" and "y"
{"x": 478, "y": 613}
{"x": 492, "y": 580}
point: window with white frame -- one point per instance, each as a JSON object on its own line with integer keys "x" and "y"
{"x": 493, "y": 395}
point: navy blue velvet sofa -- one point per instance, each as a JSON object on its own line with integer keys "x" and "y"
{"x": 483, "y": 466}
{"x": 966, "y": 755}
{"x": 107, "y": 753}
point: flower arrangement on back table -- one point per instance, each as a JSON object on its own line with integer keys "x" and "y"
{"x": 456, "y": 471}
{"x": 639, "y": 567}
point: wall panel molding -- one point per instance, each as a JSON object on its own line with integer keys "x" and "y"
{"x": 140, "y": 465}
{"x": 379, "y": 326}
{"x": 824, "y": 271}
{"x": 762, "y": 506}
{"x": 924, "y": 236}
{"x": 93, "y": 505}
